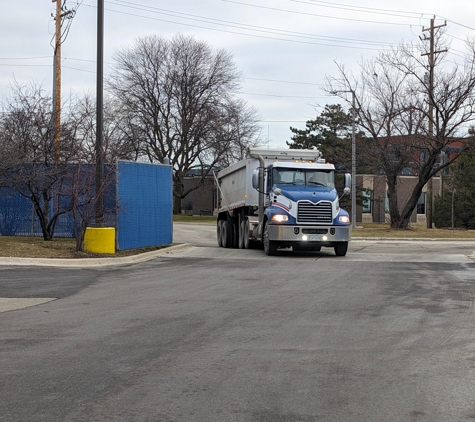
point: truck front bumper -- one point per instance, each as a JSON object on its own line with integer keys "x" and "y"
{"x": 317, "y": 235}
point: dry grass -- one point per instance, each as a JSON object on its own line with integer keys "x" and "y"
{"x": 36, "y": 247}
{"x": 204, "y": 219}
{"x": 420, "y": 232}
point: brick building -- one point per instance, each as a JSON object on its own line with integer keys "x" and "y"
{"x": 375, "y": 203}
{"x": 374, "y": 188}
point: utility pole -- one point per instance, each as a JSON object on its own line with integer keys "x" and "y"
{"x": 60, "y": 14}
{"x": 431, "y": 54}
{"x": 57, "y": 83}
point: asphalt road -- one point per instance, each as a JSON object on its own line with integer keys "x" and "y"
{"x": 386, "y": 333}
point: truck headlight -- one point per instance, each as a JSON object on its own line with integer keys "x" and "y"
{"x": 344, "y": 219}
{"x": 279, "y": 218}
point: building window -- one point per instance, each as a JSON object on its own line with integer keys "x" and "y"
{"x": 386, "y": 203}
{"x": 424, "y": 156}
{"x": 367, "y": 195}
{"x": 421, "y": 204}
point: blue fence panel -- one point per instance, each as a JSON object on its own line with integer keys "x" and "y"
{"x": 145, "y": 216}
{"x": 17, "y": 216}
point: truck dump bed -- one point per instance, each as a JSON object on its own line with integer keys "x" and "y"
{"x": 235, "y": 185}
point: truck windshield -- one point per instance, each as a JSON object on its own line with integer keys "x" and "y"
{"x": 289, "y": 176}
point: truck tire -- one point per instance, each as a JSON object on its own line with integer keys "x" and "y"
{"x": 219, "y": 232}
{"x": 245, "y": 234}
{"x": 270, "y": 246}
{"x": 227, "y": 234}
{"x": 341, "y": 248}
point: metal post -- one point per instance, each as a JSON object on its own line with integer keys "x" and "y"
{"x": 99, "y": 112}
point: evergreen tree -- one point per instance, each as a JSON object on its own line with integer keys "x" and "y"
{"x": 330, "y": 133}
{"x": 457, "y": 206}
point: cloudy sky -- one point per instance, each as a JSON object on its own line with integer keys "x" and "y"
{"x": 284, "y": 48}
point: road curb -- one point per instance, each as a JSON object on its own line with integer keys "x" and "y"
{"x": 146, "y": 256}
{"x": 91, "y": 262}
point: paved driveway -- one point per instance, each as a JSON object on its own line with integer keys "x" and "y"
{"x": 386, "y": 333}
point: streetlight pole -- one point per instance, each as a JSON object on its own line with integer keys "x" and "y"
{"x": 353, "y": 154}
{"x": 353, "y": 161}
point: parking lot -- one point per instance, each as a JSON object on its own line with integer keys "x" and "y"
{"x": 203, "y": 333}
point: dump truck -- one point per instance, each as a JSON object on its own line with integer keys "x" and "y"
{"x": 281, "y": 198}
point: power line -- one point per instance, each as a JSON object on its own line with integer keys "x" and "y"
{"x": 280, "y": 96}
{"x": 244, "y": 26}
{"x": 456, "y": 23}
{"x": 85, "y": 60}
{"x": 80, "y": 70}
{"x": 234, "y": 24}
{"x": 361, "y": 9}
{"x": 26, "y": 65}
{"x": 286, "y": 82}
{"x": 332, "y": 39}
{"x": 25, "y": 58}
{"x": 314, "y": 14}
{"x": 64, "y": 59}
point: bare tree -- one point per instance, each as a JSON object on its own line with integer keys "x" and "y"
{"x": 117, "y": 140}
{"x": 179, "y": 97}
{"x": 392, "y": 106}
{"x": 28, "y": 163}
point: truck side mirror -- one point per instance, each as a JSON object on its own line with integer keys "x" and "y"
{"x": 255, "y": 179}
{"x": 347, "y": 189}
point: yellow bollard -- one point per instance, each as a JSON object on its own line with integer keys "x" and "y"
{"x": 100, "y": 240}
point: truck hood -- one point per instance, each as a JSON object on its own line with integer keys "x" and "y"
{"x": 309, "y": 193}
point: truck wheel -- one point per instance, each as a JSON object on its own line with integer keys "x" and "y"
{"x": 219, "y": 232}
{"x": 245, "y": 234}
{"x": 270, "y": 246}
{"x": 341, "y": 248}
{"x": 227, "y": 234}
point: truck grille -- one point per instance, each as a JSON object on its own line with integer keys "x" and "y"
{"x": 309, "y": 212}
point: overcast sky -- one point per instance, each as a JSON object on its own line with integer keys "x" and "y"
{"x": 284, "y": 48}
